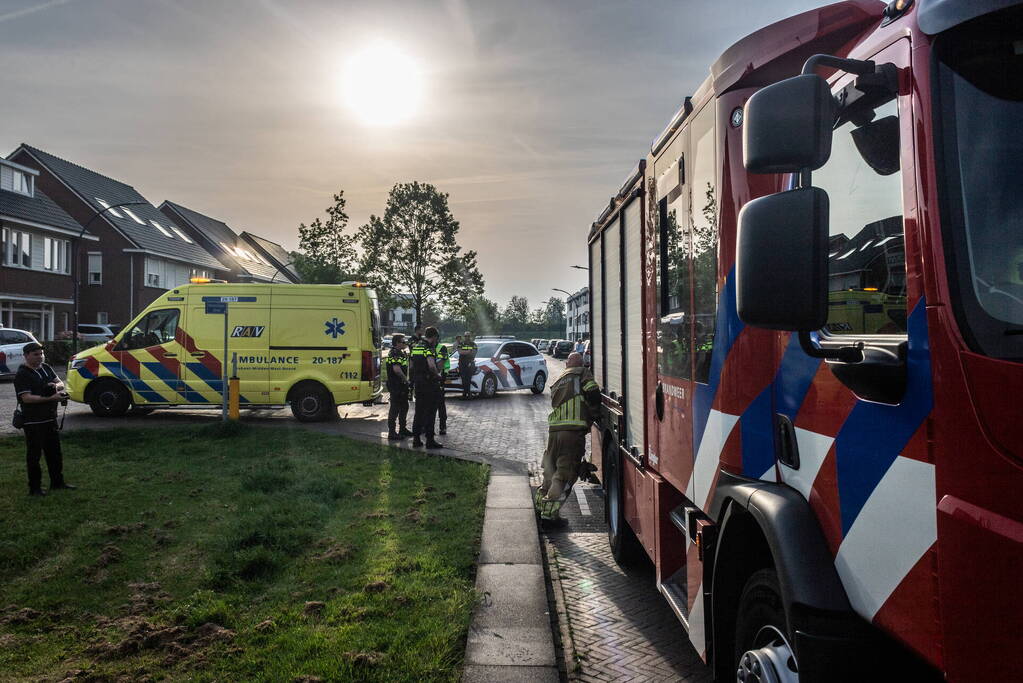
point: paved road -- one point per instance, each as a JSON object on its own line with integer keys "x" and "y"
{"x": 614, "y": 624}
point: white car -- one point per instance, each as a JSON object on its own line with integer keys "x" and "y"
{"x": 502, "y": 365}
{"x": 97, "y": 333}
{"x": 11, "y": 356}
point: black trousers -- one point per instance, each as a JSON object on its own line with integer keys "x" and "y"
{"x": 466, "y": 372}
{"x": 426, "y": 409}
{"x": 442, "y": 409}
{"x": 397, "y": 413}
{"x": 43, "y": 438}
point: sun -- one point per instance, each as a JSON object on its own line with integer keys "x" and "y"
{"x": 382, "y": 85}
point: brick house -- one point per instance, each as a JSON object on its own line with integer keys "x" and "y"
{"x": 140, "y": 253}
{"x": 36, "y": 287}
{"x": 247, "y": 262}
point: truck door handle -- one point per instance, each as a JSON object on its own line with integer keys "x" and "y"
{"x": 197, "y": 354}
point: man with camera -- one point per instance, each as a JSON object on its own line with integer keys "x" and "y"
{"x": 39, "y": 391}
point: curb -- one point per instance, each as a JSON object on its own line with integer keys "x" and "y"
{"x": 510, "y": 637}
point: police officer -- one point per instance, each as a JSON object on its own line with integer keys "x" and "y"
{"x": 415, "y": 338}
{"x": 444, "y": 363}
{"x": 427, "y": 382}
{"x": 398, "y": 387}
{"x": 39, "y": 390}
{"x": 575, "y": 399}
{"x": 467, "y": 364}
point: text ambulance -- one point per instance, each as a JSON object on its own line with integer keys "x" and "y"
{"x": 310, "y": 346}
{"x": 807, "y": 310}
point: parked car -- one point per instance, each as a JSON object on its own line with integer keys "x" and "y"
{"x": 11, "y": 343}
{"x": 563, "y": 348}
{"x": 502, "y": 364}
{"x": 541, "y": 344}
{"x": 97, "y": 333}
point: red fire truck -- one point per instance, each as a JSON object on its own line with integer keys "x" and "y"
{"x": 807, "y": 321}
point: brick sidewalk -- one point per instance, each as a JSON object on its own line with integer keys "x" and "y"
{"x": 614, "y": 624}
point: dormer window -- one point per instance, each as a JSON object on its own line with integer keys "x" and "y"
{"x": 23, "y": 183}
{"x": 14, "y": 179}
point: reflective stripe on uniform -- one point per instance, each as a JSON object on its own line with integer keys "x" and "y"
{"x": 568, "y": 414}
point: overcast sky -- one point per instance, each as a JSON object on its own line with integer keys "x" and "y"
{"x": 531, "y": 116}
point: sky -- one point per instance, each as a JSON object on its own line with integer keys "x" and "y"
{"x": 530, "y": 116}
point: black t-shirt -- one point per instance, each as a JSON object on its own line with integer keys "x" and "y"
{"x": 29, "y": 381}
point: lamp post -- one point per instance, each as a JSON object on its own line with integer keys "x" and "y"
{"x": 579, "y": 267}
{"x": 76, "y": 263}
{"x": 279, "y": 270}
{"x": 555, "y": 289}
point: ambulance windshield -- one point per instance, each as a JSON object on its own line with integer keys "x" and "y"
{"x": 979, "y": 115}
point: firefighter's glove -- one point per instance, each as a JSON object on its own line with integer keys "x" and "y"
{"x": 588, "y": 473}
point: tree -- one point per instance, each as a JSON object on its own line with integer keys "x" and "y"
{"x": 412, "y": 249}
{"x": 554, "y": 315}
{"x": 328, "y": 251}
{"x": 516, "y": 313}
{"x": 480, "y": 315}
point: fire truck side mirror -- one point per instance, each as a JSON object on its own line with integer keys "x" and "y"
{"x": 781, "y": 261}
{"x": 788, "y": 126}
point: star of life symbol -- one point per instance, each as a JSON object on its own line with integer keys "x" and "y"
{"x": 335, "y": 328}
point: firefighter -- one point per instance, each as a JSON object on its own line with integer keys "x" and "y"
{"x": 427, "y": 383}
{"x": 398, "y": 387}
{"x": 575, "y": 399}
{"x": 443, "y": 365}
{"x": 467, "y": 364}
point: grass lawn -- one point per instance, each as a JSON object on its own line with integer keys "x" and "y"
{"x": 237, "y": 554}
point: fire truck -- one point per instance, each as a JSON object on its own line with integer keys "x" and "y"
{"x": 807, "y": 315}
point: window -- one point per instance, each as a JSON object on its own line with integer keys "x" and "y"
{"x": 195, "y": 272}
{"x": 14, "y": 337}
{"x": 674, "y": 253}
{"x": 866, "y": 255}
{"x": 153, "y": 279}
{"x": 158, "y": 327}
{"x": 22, "y": 183}
{"x": 95, "y": 268}
{"x": 132, "y": 215}
{"x": 181, "y": 234}
{"x": 704, "y": 227}
{"x": 106, "y": 205}
{"x": 55, "y": 255}
{"x": 161, "y": 229}
{"x": 17, "y": 248}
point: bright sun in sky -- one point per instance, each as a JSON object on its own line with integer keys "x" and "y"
{"x": 382, "y": 85}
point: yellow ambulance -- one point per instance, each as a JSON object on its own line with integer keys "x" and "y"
{"x": 312, "y": 347}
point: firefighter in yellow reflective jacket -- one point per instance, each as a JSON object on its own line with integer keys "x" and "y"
{"x": 575, "y": 398}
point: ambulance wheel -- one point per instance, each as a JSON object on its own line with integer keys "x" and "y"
{"x": 625, "y": 547}
{"x": 762, "y": 650}
{"x": 489, "y": 387}
{"x": 310, "y": 402}
{"x": 539, "y": 382}
{"x": 109, "y": 398}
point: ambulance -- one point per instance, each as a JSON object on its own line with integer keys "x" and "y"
{"x": 312, "y": 347}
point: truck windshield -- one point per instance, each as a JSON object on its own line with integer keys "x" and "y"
{"x": 979, "y": 116}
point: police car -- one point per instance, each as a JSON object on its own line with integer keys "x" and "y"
{"x": 502, "y": 364}
{"x": 11, "y": 343}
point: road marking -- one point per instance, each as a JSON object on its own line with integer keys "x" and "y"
{"x": 584, "y": 507}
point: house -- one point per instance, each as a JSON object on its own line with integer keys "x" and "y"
{"x": 275, "y": 253}
{"x": 36, "y": 255}
{"x": 140, "y": 253}
{"x": 577, "y": 315}
{"x": 245, "y": 257}
{"x": 402, "y": 317}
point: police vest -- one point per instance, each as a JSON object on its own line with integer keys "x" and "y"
{"x": 420, "y": 368}
{"x": 442, "y": 353}
{"x": 466, "y": 360}
{"x": 395, "y": 359}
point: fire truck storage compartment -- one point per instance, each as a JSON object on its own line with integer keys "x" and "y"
{"x": 596, "y": 313}
{"x": 613, "y": 308}
{"x": 632, "y": 229}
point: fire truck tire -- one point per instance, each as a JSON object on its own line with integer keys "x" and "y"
{"x": 489, "y": 387}
{"x": 539, "y": 383}
{"x": 625, "y": 547}
{"x": 311, "y": 402}
{"x": 109, "y": 398}
{"x": 762, "y": 650}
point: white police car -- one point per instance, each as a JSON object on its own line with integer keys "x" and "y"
{"x": 502, "y": 364}
{"x": 11, "y": 343}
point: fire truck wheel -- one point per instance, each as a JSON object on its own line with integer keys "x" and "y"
{"x": 311, "y": 402}
{"x": 539, "y": 382}
{"x": 489, "y": 387}
{"x": 109, "y": 398}
{"x": 762, "y": 650}
{"x": 625, "y": 547}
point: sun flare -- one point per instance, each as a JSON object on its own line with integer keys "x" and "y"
{"x": 382, "y": 85}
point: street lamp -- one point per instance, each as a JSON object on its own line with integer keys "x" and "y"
{"x": 77, "y": 262}
{"x": 555, "y": 289}
{"x": 279, "y": 270}
{"x": 579, "y": 267}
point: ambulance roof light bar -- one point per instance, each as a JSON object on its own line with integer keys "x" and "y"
{"x": 352, "y": 283}
{"x": 206, "y": 281}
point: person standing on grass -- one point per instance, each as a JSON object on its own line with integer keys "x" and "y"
{"x": 39, "y": 390}
{"x": 575, "y": 399}
{"x": 398, "y": 387}
{"x": 427, "y": 379}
